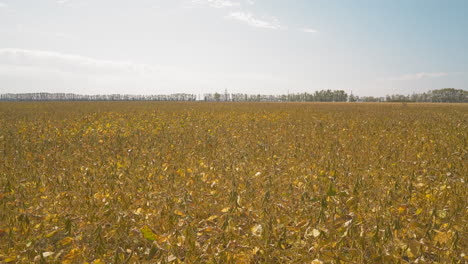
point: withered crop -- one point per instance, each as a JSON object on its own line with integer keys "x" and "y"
{"x": 143, "y": 182}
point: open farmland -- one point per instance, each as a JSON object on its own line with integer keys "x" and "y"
{"x": 130, "y": 182}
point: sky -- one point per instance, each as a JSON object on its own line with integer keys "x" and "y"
{"x": 367, "y": 47}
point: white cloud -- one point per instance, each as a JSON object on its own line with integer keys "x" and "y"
{"x": 250, "y": 19}
{"x": 69, "y": 62}
{"x": 419, "y": 76}
{"x": 309, "y": 30}
{"x": 37, "y": 70}
{"x": 217, "y": 3}
{"x": 242, "y": 16}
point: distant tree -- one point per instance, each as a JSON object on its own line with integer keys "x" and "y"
{"x": 450, "y": 95}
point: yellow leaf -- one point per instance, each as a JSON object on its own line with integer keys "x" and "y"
{"x": 401, "y": 210}
{"x": 51, "y": 233}
{"x": 10, "y": 259}
{"x": 209, "y": 229}
{"x": 315, "y": 232}
{"x": 409, "y": 253}
{"x": 441, "y": 213}
{"x": 255, "y": 250}
{"x": 138, "y": 211}
{"x": 442, "y": 237}
{"x": 257, "y": 230}
{"x": 179, "y": 213}
{"x": 66, "y": 241}
{"x": 119, "y": 165}
{"x": 71, "y": 256}
{"x": 148, "y": 233}
{"x": 211, "y": 218}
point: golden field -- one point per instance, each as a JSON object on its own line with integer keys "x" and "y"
{"x": 152, "y": 182}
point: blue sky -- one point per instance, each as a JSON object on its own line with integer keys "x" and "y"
{"x": 369, "y": 47}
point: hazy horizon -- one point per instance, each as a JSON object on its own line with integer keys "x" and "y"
{"x": 370, "y": 48}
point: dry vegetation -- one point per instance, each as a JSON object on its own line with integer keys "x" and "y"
{"x": 123, "y": 182}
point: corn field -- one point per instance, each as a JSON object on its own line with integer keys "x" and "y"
{"x": 194, "y": 182}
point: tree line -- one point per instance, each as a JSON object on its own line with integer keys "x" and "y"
{"x": 318, "y": 96}
{"x": 98, "y": 97}
{"x": 446, "y": 95}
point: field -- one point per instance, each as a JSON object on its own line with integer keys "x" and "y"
{"x": 143, "y": 182}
